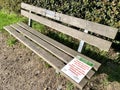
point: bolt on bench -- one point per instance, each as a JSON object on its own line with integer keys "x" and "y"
{"x": 53, "y": 52}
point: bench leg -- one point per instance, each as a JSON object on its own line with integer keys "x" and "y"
{"x": 30, "y": 21}
{"x": 81, "y": 44}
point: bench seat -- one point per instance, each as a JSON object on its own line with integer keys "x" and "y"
{"x": 53, "y": 52}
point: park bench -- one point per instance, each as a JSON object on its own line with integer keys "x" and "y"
{"x": 53, "y": 52}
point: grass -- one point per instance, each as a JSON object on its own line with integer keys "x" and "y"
{"x": 112, "y": 69}
{"x": 105, "y": 82}
{"x": 39, "y": 27}
{"x": 11, "y": 41}
{"x": 7, "y": 19}
{"x": 47, "y": 65}
{"x": 69, "y": 86}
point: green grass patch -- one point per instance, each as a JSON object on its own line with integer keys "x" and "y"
{"x": 39, "y": 27}
{"x": 69, "y": 86}
{"x": 11, "y": 41}
{"x": 8, "y": 18}
{"x": 47, "y": 65}
{"x": 112, "y": 70}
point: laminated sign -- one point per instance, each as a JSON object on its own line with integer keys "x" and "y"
{"x": 77, "y": 68}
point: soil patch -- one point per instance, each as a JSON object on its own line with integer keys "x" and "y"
{"x": 21, "y": 69}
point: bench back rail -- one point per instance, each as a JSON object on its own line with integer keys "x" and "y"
{"x": 34, "y": 13}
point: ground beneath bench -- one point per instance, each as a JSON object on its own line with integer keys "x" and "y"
{"x": 21, "y": 69}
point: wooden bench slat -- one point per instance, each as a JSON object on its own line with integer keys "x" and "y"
{"x": 82, "y": 83}
{"x": 90, "y": 74}
{"x": 61, "y": 55}
{"x": 103, "y": 30}
{"x": 64, "y": 48}
{"x": 49, "y": 40}
{"x": 55, "y": 51}
{"x": 81, "y": 23}
{"x": 95, "y": 41}
{"x": 53, "y": 61}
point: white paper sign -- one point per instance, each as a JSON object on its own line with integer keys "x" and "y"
{"x": 77, "y": 68}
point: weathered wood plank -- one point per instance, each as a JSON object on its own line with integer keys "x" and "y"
{"x": 95, "y": 41}
{"x": 82, "y": 83}
{"x": 59, "y": 45}
{"x": 53, "y": 61}
{"x": 90, "y": 74}
{"x": 55, "y": 51}
{"x": 103, "y": 30}
{"x": 58, "y": 53}
{"x": 80, "y": 23}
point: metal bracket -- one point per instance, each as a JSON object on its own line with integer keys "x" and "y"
{"x": 30, "y": 21}
{"x": 81, "y": 44}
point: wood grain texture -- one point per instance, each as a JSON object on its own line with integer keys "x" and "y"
{"x": 80, "y": 85}
{"x": 49, "y": 58}
{"x": 58, "y": 45}
{"x": 93, "y": 40}
{"x": 80, "y": 23}
{"x": 53, "y": 61}
{"x": 55, "y": 51}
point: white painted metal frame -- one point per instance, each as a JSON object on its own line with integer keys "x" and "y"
{"x": 30, "y": 21}
{"x": 81, "y": 44}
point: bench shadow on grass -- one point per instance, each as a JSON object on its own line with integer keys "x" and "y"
{"x": 116, "y": 46}
{"x": 109, "y": 66}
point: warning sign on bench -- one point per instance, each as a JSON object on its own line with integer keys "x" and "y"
{"x": 77, "y": 68}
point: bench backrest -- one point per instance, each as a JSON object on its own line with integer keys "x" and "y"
{"x": 39, "y": 14}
